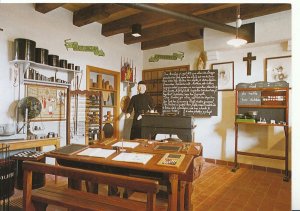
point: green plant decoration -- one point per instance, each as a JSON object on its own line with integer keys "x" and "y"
{"x": 76, "y": 47}
{"x": 174, "y": 56}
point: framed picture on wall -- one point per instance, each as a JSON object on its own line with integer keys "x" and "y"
{"x": 225, "y": 75}
{"x": 279, "y": 69}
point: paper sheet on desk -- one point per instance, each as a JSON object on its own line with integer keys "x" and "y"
{"x": 126, "y": 144}
{"x": 133, "y": 157}
{"x": 97, "y": 152}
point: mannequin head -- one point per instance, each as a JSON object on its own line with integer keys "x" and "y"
{"x": 141, "y": 87}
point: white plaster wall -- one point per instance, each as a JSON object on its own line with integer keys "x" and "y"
{"x": 49, "y": 31}
{"x": 191, "y": 51}
{"x": 217, "y": 133}
{"x": 271, "y": 35}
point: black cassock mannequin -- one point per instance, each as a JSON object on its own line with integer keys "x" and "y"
{"x": 140, "y": 103}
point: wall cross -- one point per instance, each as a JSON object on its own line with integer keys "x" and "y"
{"x": 249, "y": 59}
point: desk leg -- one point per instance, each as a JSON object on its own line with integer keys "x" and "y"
{"x": 74, "y": 184}
{"x": 181, "y": 195}
{"x": 188, "y": 196}
{"x": 173, "y": 178}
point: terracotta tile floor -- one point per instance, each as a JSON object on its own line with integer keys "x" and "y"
{"x": 219, "y": 189}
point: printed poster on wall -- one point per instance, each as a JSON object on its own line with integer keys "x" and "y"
{"x": 53, "y": 100}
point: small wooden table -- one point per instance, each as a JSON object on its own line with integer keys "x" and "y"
{"x": 32, "y": 143}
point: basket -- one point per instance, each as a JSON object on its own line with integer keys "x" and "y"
{"x": 7, "y": 178}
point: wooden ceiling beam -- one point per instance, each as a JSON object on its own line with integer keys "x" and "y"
{"x": 89, "y": 14}
{"x": 124, "y": 25}
{"x": 224, "y": 15}
{"x": 147, "y": 19}
{"x": 255, "y": 10}
{"x": 173, "y": 27}
{"x": 168, "y": 40}
{"x": 93, "y": 13}
{"x": 159, "y": 31}
{"x": 44, "y": 8}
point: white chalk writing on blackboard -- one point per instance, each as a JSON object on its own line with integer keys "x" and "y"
{"x": 249, "y": 98}
{"x": 194, "y": 91}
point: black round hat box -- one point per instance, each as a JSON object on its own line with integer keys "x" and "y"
{"x": 71, "y": 66}
{"x": 63, "y": 63}
{"x": 53, "y": 60}
{"x": 24, "y": 49}
{"x": 77, "y": 68}
{"x": 41, "y": 55}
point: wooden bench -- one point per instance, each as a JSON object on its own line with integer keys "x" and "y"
{"x": 81, "y": 200}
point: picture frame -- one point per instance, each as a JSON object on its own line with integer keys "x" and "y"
{"x": 225, "y": 75}
{"x": 53, "y": 100}
{"x": 278, "y": 69}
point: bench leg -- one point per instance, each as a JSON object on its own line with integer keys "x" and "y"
{"x": 91, "y": 187}
{"x": 39, "y": 206}
{"x": 74, "y": 184}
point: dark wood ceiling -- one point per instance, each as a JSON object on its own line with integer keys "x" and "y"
{"x": 162, "y": 24}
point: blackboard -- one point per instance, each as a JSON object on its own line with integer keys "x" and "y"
{"x": 249, "y": 98}
{"x": 195, "y": 92}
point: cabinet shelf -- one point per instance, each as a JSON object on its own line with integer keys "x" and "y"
{"x": 44, "y": 66}
{"x": 110, "y": 105}
{"x": 31, "y": 81}
{"x": 100, "y": 89}
{"x": 272, "y": 104}
{"x": 262, "y": 106}
{"x": 260, "y": 124}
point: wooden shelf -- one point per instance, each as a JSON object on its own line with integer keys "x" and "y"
{"x": 262, "y": 106}
{"x": 108, "y": 106}
{"x": 275, "y": 106}
{"x": 264, "y": 89}
{"x": 260, "y": 124}
{"x": 100, "y": 89}
{"x": 50, "y": 83}
{"x": 113, "y": 77}
{"x": 44, "y": 66}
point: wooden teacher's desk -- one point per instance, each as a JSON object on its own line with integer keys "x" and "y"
{"x": 176, "y": 175}
{"x": 158, "y": 147}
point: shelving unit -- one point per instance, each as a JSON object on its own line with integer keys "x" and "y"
{"x": 153, "y": 80}
{"x": 84, "y": 107}
{"x": 272, "y": 104}
{"x": 23, "y": 66}
{"x": 108, "y": 83}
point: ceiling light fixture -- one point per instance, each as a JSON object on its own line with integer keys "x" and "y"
{"x": 136, "y": 30}
{"x": 237, "y": 42}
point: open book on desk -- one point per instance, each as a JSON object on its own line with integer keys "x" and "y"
{"x": 133, "y": 157}
{"x": 97, "y": 152}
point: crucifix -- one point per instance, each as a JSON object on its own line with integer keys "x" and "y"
{"x": 249, "y": 59}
